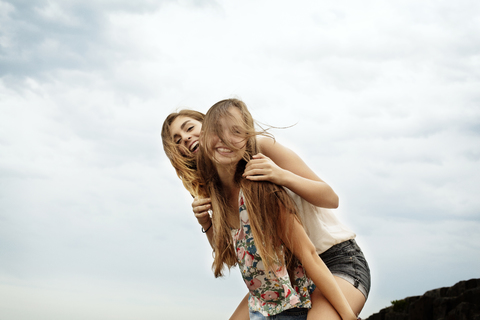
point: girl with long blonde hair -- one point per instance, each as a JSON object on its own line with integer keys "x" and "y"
{"x": 254, "y": 223}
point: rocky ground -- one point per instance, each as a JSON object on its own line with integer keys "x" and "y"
{"x": 458, "y": 302}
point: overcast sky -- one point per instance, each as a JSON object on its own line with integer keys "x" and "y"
{"x": 94, "y": 224}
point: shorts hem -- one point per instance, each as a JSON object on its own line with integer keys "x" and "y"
{"x": 354, "y": 282}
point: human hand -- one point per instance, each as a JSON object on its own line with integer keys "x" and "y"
{"x": 262, "y": 168}
{"x": 200, "y": 209}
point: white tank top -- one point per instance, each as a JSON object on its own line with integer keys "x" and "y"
{"x": 321, "y": 225}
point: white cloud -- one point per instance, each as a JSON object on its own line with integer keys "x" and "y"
{"x": 91, "y": 212}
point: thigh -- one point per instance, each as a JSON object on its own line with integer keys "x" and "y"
{"x": 355, "y": 297}
{"x": 323, "y": 309}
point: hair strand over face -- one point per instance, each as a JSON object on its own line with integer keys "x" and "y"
{"x": 264, "y": 200}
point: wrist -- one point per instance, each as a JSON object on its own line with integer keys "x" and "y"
{"x": 285, "y": 178}
{"x": 205, "y": 221}
{"x": 207, "y": 227}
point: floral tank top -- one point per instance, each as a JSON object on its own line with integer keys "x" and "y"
{"x": 270, "y": 292}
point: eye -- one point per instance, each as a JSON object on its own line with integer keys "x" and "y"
{"x": 190, "y": 128}
{"x": 236, "y": 130}
{"x": 178, "y": 141}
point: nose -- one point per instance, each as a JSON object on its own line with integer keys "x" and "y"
{"x": 215, "y": 138}
{"x": 186, "y": 137}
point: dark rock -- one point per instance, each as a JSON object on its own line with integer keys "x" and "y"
{"x": 458, "y": 302}
{"x": 462, "y": 286}
{"x": 441, "y": 307}
{"x": 396, "y": 316}
{"x": 422, "y": 309}
{"x": 437, "y": 293}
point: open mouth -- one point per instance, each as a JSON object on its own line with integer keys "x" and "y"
{"x": 194, "y": 147}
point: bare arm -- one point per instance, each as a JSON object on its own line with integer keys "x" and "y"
{"x": 200, "y": 210}
{"x": 297, "y": 241}
{"x": 282, "y": 166}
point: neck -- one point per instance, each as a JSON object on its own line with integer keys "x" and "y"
{"x": 231, "y": 190}
{"x": 227, "y": 176}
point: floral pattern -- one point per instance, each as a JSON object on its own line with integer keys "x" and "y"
{"x": 271, "y": 292}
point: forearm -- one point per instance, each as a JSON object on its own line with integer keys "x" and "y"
{"x": 317, "y": 193}
{"x": 284, "y": 167}
{"x": 201, "y": 207}
{"x": 207, "y": 228}
{"x": 299, "y": 244}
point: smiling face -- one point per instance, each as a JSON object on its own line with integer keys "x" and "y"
{"x": 185, "y": 133}
{"x": 228, "y": 147}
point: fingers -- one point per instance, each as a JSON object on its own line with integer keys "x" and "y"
{"x": 260, "y": 168}
{"x": 200, "y": 202}
{"x": 202, "y": 215}
{"x": 259, "y": 156}
{"x": 203, "y": 208}
{"x": 200, "y": 209}
{"x": 258, "y": 159}
{"x": 201, "y": 205}
{"x": 258, "y": 164}
{"x": 256, "y": 172}
{"x": 257, "y": 178}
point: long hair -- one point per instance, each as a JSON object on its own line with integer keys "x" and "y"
{"x": 264, "y": 200}
{"x": 184, "y": 162}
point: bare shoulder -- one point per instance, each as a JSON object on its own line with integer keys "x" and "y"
{"x": 286, "y": 158}
{"x": 270, "y": 146}
{"x": 265, "y": 141}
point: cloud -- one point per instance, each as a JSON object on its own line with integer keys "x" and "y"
{"x": 383, "y": 102}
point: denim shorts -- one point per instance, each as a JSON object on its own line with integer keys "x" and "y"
{"x": 346, "y": 260}
{"x": 290, "y": 314}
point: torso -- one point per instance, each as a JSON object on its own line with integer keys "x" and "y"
{"x": 271, "y": 292}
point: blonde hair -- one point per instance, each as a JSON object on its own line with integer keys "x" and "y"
{"x": 264, "y": 200}
{"x": 183, "y": 161}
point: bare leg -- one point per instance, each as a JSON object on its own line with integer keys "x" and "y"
{"x": 241, "y": 313}
{"x": 322, "y": 309}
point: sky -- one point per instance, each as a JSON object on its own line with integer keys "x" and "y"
{"x": 380, "y": 99}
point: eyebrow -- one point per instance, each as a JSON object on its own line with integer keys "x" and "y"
{"x": 182, "y": 127}
{"x": 184, "y": 124}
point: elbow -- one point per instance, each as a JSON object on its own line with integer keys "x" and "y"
{"x": 332, "y": 202}
{"x": 325, "y": 201}
{"x": 329, "y": 198}
{"x": 335, "y": 201}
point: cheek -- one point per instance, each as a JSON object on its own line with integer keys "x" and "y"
{"x": 208, "y": 145}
